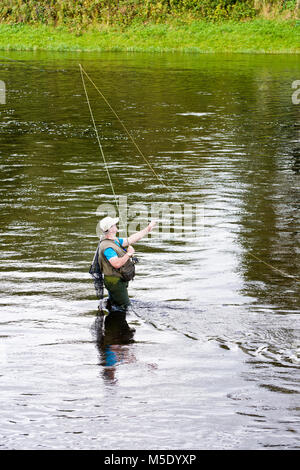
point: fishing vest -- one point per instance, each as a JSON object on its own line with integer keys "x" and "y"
{"x": 107, "y": 268}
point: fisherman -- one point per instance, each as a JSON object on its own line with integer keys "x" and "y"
{"x": 115, "y": 259}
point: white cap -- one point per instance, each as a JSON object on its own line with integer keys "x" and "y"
{"x": 108, "y": 222}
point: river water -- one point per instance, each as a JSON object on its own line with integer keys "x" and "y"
{"x": 214, "y": 360}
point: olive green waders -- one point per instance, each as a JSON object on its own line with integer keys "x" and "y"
{"x": 117, "y": 289}
{"x": 113, "y": 281}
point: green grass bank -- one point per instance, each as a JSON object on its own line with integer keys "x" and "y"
{"x": 254, "y": 36}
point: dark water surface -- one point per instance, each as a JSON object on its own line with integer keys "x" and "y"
{"x": 213, "y": 363}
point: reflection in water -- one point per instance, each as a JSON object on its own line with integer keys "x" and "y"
{"x": 113, "y": 334}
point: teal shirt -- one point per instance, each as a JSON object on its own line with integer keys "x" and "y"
{"x": 110, "y": 252}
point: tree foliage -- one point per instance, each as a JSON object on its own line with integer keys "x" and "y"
{"x": 124, "y": 12}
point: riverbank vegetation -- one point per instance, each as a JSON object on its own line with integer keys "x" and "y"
{"x": 151, "y": 25}
{"x": 87, "y": 13}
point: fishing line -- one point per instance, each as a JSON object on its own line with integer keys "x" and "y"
{"x": 100, "y": 146}
{"x": 97, "y": 136}
{"x": 129, "y": 135}
{"x": 273, "y": 267}
{"x": 151, "y": 167}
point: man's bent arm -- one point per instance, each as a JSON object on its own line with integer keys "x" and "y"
{"x": 117, "y": 262}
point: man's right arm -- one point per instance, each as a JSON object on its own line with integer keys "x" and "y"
{"x": 117, "y": 262}
{"x": 135, "y": 237}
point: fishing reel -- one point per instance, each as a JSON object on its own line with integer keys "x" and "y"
{"x": 135, "y": 259}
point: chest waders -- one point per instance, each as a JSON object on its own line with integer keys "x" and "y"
{"x": 113, "y": 281}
